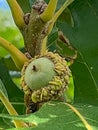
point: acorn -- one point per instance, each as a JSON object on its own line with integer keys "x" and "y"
{"x": 45, "y": 77}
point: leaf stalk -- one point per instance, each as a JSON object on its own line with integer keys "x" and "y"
{"x": 18, "y": 57}
{"x": 17, "y": 13}
{"x": 11, "y": 110}
{"x": 80, "y": 116}
{"x": 49, "y": 11}
{"x": 57, "y": 14}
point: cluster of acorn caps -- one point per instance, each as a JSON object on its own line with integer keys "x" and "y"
{"x": 45, "y": 77}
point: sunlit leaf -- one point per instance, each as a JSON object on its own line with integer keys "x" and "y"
{"x": 59, "y": 116}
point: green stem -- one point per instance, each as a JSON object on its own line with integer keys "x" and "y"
{"x": 64, "y": 6}
{"x": 11, "y": 110}
{"x": 49, "y": 11}
{"x": 34, "y": 34}
{"x": 43, "y": 47}
{"x": 58, "y": 13}
{"x": 17, "y": 13}
{"x": 18, "y": 57}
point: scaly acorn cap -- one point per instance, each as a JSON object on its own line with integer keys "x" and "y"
{"x": 45, "y": 77}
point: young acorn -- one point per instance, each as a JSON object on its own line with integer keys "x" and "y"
{"x": 45, "y": 77}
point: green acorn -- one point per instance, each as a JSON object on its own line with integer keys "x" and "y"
{"x": 40, "y": 72}
{"x": 45, "y": 77}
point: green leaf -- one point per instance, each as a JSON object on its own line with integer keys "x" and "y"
{"x": 58, "y": 116}
{"x": 7, "y": 123}
{"x": 66, "y": 17}
{"x": 84, "y": 38}
{"x": 12, "y": 90}
{"x": 65, "y": 49}
{"x": 52, "y": 39}
{"x": 10, "y": 64}
{"x": 3, "y": 89}
{"x": 69, "y": 93}
{"x": 25, "y": 5}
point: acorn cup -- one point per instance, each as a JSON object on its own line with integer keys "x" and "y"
{"x": 45, "y": 77}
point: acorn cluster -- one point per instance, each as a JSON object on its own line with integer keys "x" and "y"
{"x": 45, "y": 77}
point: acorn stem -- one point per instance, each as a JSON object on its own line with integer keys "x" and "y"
{"x": 35, "y": 68}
